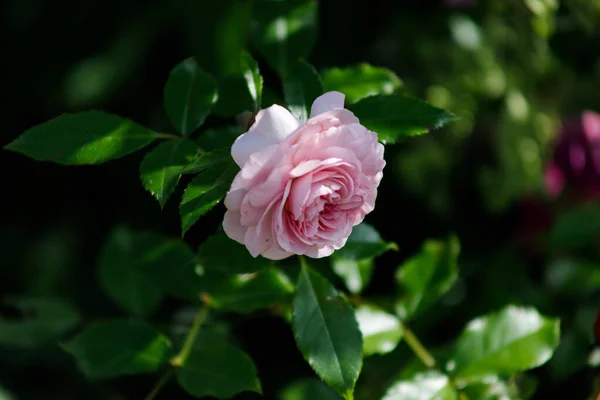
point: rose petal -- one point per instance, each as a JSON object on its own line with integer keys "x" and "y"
{"x": 326, "y": 102}
{"x": 272, "y": 126}
{"x": 232, "y": 226}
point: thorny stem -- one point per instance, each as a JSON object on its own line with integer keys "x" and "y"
{"x": 419, "y": 350}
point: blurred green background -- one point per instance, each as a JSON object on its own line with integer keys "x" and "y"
{"x": 511, "y": 70}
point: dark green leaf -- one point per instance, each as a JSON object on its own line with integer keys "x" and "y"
{"x": 41, "y": 321}
{"x": 427, "y": 276}
{"x": 122, "y": 276}
{"x": 426, "y": 386}
{"x": 308, "y": 389}
{"x": 169, "y": 263}
{"x": 395, "y": 117}
{"x": 216, "y": 368}
{"x": 118, "y": 347}
{"x": 381, "y": 331}
{"x": 161, "y": 168}
{"x": 221, "y": 253}
{"x": 90, "y": 137}
{"x": 253, "y": 79}
{"x": 360, "y": 81}
{"x": 221, "y": 138}
{"x": 218, "y": 157}
{"x": 302, "y": 85}
{"x": 204, "y": 192}
{"x": 284, "y": 31}
{"x": 190, "y": 94}
{"x": 356, "y": 274}
{"x": 576, "y": 228}
{"x": 364, "y": 242}
{"x": 327, "y": 332}
{"x": 249, "y": 292}
{"x": 512, "y": 340}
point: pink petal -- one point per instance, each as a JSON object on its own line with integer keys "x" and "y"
{"x": 327, "y": 102}
{"x": 276, "y": 253}
{"x": 232, "y": 226}
{"x": 272, "y": 126}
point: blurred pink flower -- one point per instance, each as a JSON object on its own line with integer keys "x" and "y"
{"x": 576, "y": 159}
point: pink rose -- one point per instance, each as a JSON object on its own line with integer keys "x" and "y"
{"x": 302, "y": 187}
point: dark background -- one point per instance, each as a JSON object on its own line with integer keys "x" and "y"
{"x": 473, "y": 178}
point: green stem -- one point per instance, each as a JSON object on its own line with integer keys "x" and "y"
{"x": 419, "y": 350}
{"x": 191, "y": 338}
{"x": 159, "y": 385}
{"x": 168, "y": 136}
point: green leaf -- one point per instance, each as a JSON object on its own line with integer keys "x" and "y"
{"x": 576, "y": 228}
{"x": 90, "y": 137}
{"x": 118, "y": 347}
{"x": 308, "y": 389}
{"x": 327, "y": 332}
{"x": 253, "y": 79}
{"x": 189, "y": 96}
{"x": 284, "y": 31}
{"x": 204, "y": 192}
{"x": 490, "y": 388}
{"x": 42, "y": 320}
{"x": 216, "y": 368}
{"x": 356, "y": 274}
{"x": 364, "y": 242}
{"x": 395, "y": 117}
{"x": 512, "y": 340}
{"x": 426, "y": 386}
{"x": 302, "y": 85}
{"x": 221, "y": 138}
{"x": 219, "y": 157}
{"x": 249, "y": 292}
{"x": 221, "y": 253}
{"x": 161, "y": 168}
{"x": 169, "y": 263}
{"x": 381, "y": 331}
{"x": 121, "y": 272}
{"x": 427, "y": 276}
{"x": 360, "y": 81}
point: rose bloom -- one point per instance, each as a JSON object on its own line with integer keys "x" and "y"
{"x": 576, "y": 159}
{"x": 302, "y": 187}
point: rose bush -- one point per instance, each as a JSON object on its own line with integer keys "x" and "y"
{"x": 302, "y": 187}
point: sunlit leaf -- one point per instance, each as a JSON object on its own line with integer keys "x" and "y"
{"x": 253, "y": 79}
{"x": 161, "y": 168}
{"x": 427, "y": 276}
{"x": 426, "y": 386}
{"x": 90, "y": 137}
{"x": 395, "y": 117}
{"x": 512, "y": 340}
{"x": 360, "y": 81}
{"x": 205, "y": 191}
{"x": 381, "y": 331}
{"x": 327, "y": 332}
